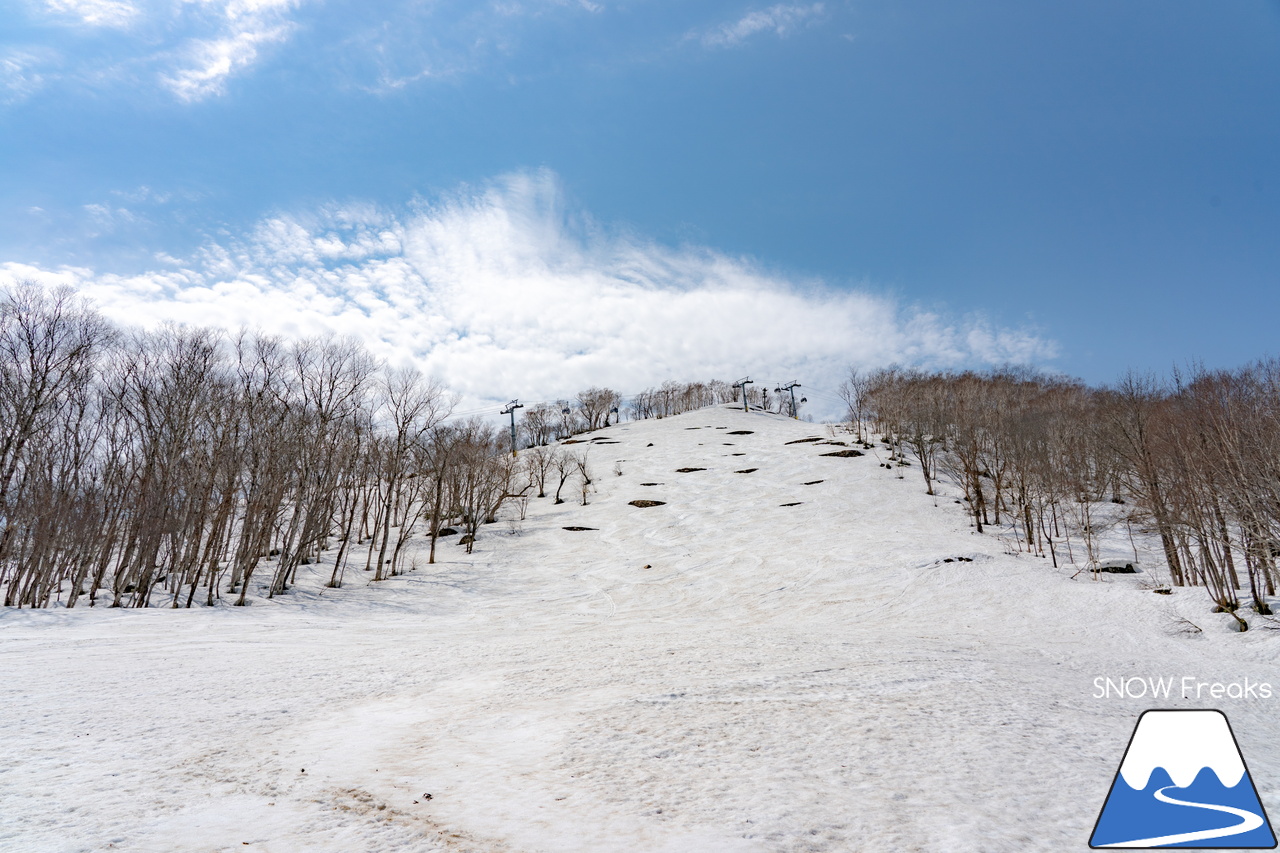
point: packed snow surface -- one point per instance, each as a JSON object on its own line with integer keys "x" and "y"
{"x": 791, "y": 659}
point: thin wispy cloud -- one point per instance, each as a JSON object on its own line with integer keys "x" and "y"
{"x": 195, "y": 50}
{"x": 411, "y": 42}
{"x": 520, "y": 8}
{"x": 24, "y": 71}
{"x": 779, "y": 19}
{"x": 248, "y": 26}
{"x": 208, "y": 63}
{"x": 503, "y": 291}
{"x": 94, "y": 13}
{"x": 192, "y": 48}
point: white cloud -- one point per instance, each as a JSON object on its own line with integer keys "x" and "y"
{"x": 23, "y": 72}
{"x": 96, "y": 13}
{"x": 144, "y": 195}
{"x": 210, "y": 62}
{"x": 107, "y": 218}
{"x": 499, "y": 293}
{"x": 411, "y": 41}
{"x": 780, "y": 18}
{"x": 515, "y": 8}
{"x": 194, "y": 49}
{"x": 204, "y": 65}
{"x": 191, "y": 47}
{"x": 252, "y": 8}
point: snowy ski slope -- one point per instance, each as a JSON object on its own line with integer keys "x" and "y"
{"x": 721, "y": 673}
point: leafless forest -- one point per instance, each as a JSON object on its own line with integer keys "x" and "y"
{"x": 170, "y": 468}
{"x": 1194, "y": 459}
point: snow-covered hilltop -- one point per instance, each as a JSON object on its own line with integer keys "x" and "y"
{"x": 788, "y": 651}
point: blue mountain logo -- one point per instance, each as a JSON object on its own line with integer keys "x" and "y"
{"x": 1183, "y": 783}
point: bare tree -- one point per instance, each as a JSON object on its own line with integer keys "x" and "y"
{"x": 854, "y": 390}
{"x": 582, "y": 464}
{"x": 539, "y": 424}
{"x": 541, "y": 460}
{"x": 48, "y": 345}
{"x": 565, "y": 463}
{"x": 484, "y": 476}
{"x": 595, "y": 404}
{"x": 411, "y": 405}
{"x": 1133, "y": 415}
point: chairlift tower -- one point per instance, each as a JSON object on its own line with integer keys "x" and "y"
{"x": 743, "y": 383}
{"x": 511, "y": 410}
{"x": 795, "y": 414}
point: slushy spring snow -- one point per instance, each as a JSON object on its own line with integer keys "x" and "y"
{"x": 791, "y": 659}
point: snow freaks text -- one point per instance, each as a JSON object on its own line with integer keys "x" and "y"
{"x": 1175, "y": 687}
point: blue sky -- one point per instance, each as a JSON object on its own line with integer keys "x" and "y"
{"x": 722, "y": 187}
